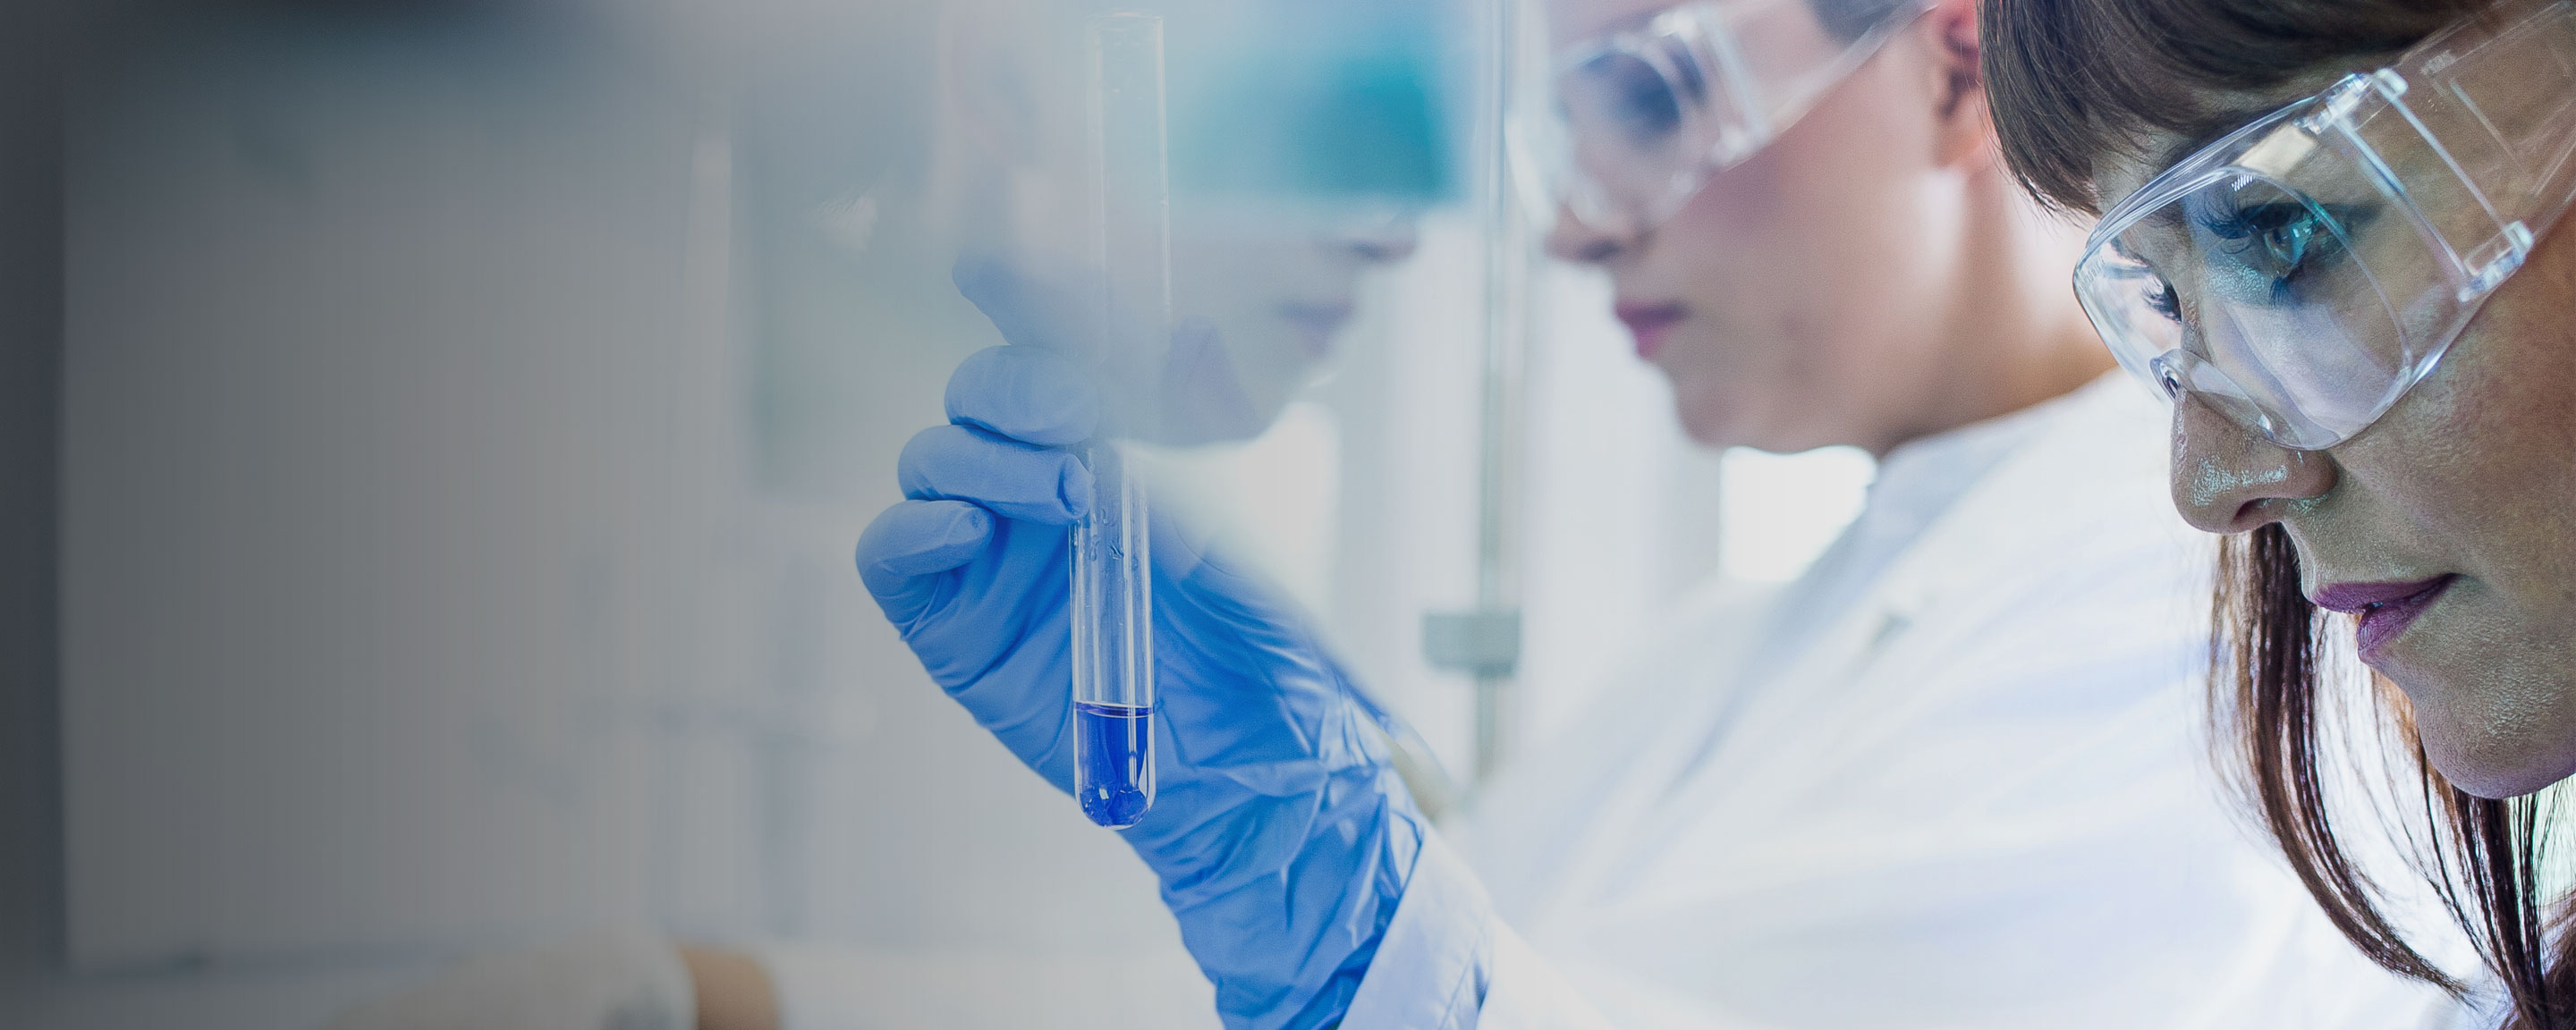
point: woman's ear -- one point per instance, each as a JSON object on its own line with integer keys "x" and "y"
{"x": 1965, "y": 130}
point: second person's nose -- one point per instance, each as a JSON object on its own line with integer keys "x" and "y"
{"x": 1574, "y": 239}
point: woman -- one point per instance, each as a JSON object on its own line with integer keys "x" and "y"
{"x": 2327, "y": 234}
{"x": 1891, "y": 795}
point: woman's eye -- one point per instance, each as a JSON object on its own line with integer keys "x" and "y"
{"x": 1649, "y": 110}
{"x": 2161, "y": 299}
{"x": 2285, "y": 232}
{"x": 2271, "y": 249}
{"x": 1631, "y": 98}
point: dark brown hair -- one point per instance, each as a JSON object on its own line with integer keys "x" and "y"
{"x": 2485, "y": 860}
{"x": 2074, "y": 83}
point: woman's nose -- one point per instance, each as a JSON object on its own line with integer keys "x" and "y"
{"x": 1574, "y": 239}
{"x": 2228, "y": 479}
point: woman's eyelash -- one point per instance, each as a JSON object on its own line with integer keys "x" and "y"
{"x": 2288, "y": 233}
{"x": 2163, "y": 301}
{"x": 2269, "y": 222}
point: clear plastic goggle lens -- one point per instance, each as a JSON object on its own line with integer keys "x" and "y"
{"x": 2310, "y": 268}
{"x": 1631, "y": 116}
{"x": 1645, "y": 117}
{"x": 2268, "y": 288}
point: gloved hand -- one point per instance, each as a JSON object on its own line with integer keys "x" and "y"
{"x": 1281, "y": 835}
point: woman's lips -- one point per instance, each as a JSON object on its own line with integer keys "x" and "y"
{"x": 1649, "y": 323}
{"x": 2386, "y": 609}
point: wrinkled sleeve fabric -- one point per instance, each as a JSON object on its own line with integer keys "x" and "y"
{"x": 1432, "y": 967}
{"x": 1449, "y": 963}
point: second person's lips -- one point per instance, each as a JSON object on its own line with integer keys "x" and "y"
{"x": 2386, "y": 608}
{"x": 1649, "y": 323}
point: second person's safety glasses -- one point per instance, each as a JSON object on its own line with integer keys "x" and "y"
{"x": 1645, "y": 116}
{"x": 2302, "y": 273}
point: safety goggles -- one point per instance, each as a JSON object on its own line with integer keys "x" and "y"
{"x": 1645, "y": 116}
{"x": 2302, "y": 273}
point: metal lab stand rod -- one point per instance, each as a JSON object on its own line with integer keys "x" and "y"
{"x": 1486, "y": 642}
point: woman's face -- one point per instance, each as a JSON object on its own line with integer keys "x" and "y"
{"x": 1260, "y": 286}
{"x": 1799, "y": 297}
{"x": 1257, "y": 302}
{"x": 2453, "y": 517}
{"x": 1270, "y": 295}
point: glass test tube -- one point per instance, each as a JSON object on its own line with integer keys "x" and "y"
{"x": 1112, "y": 602}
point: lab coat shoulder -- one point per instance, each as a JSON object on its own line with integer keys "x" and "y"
{"x": 2066, "y": 560}
{"x": 2079, "y": 514}
{"x": 2045, "y": 638}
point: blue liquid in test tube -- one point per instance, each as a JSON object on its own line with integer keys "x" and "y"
{"x": 1112, "y": 604}
{"x": 1117, "y": 754}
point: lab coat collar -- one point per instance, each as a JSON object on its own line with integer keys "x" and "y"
{"x": 1915, "y": 484}
{"x": 2061, "y": 475}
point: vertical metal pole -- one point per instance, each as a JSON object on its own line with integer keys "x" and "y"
{"x": 1508, "y": 250}
{"x": 1485, "y": 642}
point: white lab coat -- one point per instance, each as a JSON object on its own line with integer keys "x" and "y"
{"x": 1977, "y": 795}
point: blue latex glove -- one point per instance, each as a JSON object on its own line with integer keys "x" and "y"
{"x": 1280, "y": 832}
